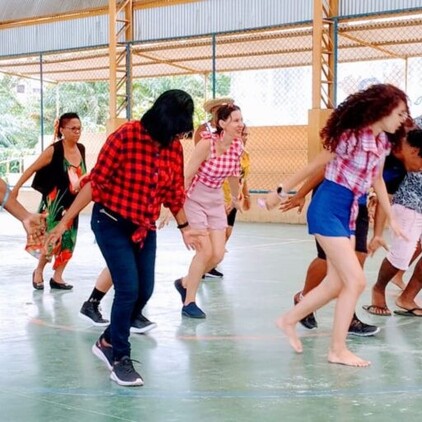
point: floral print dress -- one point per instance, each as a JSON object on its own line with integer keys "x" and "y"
{"x": 53, "y": 206}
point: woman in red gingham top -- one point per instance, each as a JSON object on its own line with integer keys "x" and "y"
{"x": 139, "y": 168}
{"x": 215, "y": 159}
{"x": 214, "y": 171}
{"x": 355, "y": 146}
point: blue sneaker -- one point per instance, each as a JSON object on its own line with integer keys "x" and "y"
{"x": 182, "y": 290}
{"x": 104, "y": 353}
{"x": 192, "y": 311}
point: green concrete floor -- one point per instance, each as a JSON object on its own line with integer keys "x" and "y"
{"x": 234, "y": 366}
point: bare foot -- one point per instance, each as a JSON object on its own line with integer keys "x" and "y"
{"x": 378, "y": 298}
{"x": 377, "y": 310}
{"x": 346, "y": 357}
{"x": 290, "y": 332}
{"x": 406, "y": 304}
{"x": 38, "y": 276}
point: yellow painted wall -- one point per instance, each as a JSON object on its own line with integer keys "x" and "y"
{"x": 276, "y": 153}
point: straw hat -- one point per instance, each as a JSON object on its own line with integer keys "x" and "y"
{"x": 217, "y": 102}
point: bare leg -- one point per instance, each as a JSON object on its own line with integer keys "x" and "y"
{"x": 317, "y": 297}
{"x": 207, "y": 257}
{"x": 407, "y": 299}
{"x": 344, "y": 269}
{"x": 38, "y": 272}
{"x": 386, "y": 272}
{"x": 104, "y": 281}
{"x": 398, "y": 280}
{"x": 229, "y": 231}
{"x": 317, "y": 271}
{"x": 58, "y": 273}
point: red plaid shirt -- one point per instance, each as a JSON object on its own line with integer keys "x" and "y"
{"x": 357, "y": 163}
{"x": 133, "y": 177}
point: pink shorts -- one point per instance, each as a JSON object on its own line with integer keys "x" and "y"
{"x": 205, "y": 209}
{"x": 401, "y": 250}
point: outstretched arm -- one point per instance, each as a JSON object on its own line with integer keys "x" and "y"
{"x": 319, "y": 162}
{"x": 43, "y": 160}
{"x": 82, "y": 199}
{"x": 34, "y": 224}
{"x": 298, "y": 199}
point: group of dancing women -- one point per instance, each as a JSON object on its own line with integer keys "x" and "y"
{"x": 140, "y": 168}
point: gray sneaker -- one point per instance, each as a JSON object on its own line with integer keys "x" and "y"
{"x": 142, "y": 325}
{"x": 124, "y": 373}
{"x": 91, "y": 312}
{"x": 360, "y": 329}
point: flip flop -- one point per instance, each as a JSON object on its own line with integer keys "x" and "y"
{"x": 377, "y": 310}
{"x": 409, "y": 312}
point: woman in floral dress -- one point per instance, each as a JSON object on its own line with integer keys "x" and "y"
{"x": 58, "y": 171}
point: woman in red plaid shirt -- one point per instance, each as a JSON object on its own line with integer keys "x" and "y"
{"x": 216, "y": 158}
{"x": 139, "y": 168}
{"x": 355, "y": 145}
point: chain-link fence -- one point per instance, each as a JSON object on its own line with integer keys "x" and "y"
{"x": 268, "y": 72}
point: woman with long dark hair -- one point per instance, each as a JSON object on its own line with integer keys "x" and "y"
{"x": 139, "y": 168}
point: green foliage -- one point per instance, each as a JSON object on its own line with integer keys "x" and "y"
{"x": 21, "y": 113}
{"x": 145, "y": 91}
{"x": 89, "y": 99}
{"x": 18, "y": 130}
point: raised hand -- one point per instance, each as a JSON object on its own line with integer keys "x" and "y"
{"x": 375, "y": 243}
{"x": 294, "y": 201}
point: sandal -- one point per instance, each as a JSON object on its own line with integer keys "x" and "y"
{"x": 35, "y": 285}
{"x": 377, "y": 310}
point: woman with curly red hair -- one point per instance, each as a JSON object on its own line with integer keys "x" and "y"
{"x": 354, "y": 148}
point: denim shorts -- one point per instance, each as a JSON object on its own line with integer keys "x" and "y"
{"x": 329, "y": 210}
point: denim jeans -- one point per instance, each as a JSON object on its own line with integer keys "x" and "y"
{"x": 132, "y": 269}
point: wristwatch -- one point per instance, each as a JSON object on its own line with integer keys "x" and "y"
{"x": 281, "y": 193}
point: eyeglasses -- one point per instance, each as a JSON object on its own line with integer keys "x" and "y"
{"x": 74, "y": 129}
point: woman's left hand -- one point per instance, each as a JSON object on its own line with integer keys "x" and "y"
{"x": 228, "y": 208}
{"x": 192, "y": 238}
{"x": 164, "y": 218}
{"x": 375, "y": 243}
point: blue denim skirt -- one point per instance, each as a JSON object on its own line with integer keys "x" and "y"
{"x": 329, "y": 210}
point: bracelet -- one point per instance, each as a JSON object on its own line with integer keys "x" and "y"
{"x": 281, "y": 193}
{"x": 183, "y": 225}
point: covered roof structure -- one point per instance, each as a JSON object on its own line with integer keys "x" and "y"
{"x": 365, "y": 34}
{"x": 285, "y": 46}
